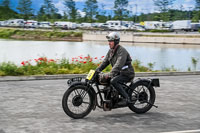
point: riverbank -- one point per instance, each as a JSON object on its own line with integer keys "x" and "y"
{"x": 79, "y": 36}
{"x": 40, "y": 35}
{"x": 134, "y": 37}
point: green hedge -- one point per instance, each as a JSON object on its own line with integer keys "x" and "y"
{"x": 44, "y": 66}
{"x": 8, "y": 33}
{"x": 159, "y": 31}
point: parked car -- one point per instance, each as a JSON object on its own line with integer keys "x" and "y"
{"x": 86, "y": 25}
{"x": 137, "y": 27}
{"x": 46, "y": 25}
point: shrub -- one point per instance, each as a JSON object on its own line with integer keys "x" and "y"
{"x": 7, "y": 33}
{"x": 77, "y": 65}
{"x": 170, "y": 69}
{"x": 2, "y": 73}
{"x": 49, "y": 70}
{"x": 160, "y": 31}
{"x": 63, "y": 71}
{"x": 8, "y": 68}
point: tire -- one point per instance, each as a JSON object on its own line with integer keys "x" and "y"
{"x": 77, "y": 101}
{"x": 141, "y": 97}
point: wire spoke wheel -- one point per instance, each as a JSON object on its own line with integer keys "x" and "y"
{"x": 78, "y": 101}
{"x": 144, "y": 97}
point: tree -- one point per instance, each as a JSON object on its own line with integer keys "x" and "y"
{"x": 41, "y": 14}
{"x": 71, "y": 8}
{"x": 101, "y": 15}
{"x": 24, "y": 6}
{"x": 120, "y": 9}
{"x": 49, "y": 9}
{"x": 7, "y": 13}
{"x": 197, "y": 6}
{"x": 197, "y": 11}
{"x": 6, "y": 3}
{"x": 90, "y": 9}
{"x": 65, "y": 17}
{"x": 164, "y": 6}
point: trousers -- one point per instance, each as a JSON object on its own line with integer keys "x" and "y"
{"x": 115, "y": 81}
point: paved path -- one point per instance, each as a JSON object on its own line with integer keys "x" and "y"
{"x": 35, "y": 107}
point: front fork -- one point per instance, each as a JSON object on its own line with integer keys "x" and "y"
{"x": 101, "y": 98}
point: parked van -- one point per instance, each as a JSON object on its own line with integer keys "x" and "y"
{"x": 97, "y": 24}
{"x": 158, "y": 25}
{"x": 16, "y": 22}
{"x": 31, "y": 24}
{"x": 116, "y": 25}
{"x": 181, "y": 25}
{"x": 150, "y": 25}
{"x": 5, "y": 23}
{"x": 65, "y": 25}
{"x": 195, "y": 26}
{"x": 1, "y": 23}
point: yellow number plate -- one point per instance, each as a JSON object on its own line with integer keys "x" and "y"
{"x": 90, "y": 74}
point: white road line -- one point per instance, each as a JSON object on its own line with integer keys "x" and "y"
{"x": 186, "y": 131}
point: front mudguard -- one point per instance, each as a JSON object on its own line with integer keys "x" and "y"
{"x": 84, "y": 84}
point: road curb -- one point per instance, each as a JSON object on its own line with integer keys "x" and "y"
{"x": 67, "y": 76}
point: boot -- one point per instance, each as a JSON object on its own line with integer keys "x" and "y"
{"x": 127, "y": 98}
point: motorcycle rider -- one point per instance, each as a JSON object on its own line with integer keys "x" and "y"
{"x": 120, "y": 60}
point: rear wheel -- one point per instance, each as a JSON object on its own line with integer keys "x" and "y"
{"x": 143, "y": 96}
{"x": 77, "y": 102}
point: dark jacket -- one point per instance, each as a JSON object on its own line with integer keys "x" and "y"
{"x": 120, "y": 61}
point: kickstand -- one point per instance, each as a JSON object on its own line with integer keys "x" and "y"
{"x": 152, "y": 104}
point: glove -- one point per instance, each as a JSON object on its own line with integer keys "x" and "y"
{"x": 106, "y": 76}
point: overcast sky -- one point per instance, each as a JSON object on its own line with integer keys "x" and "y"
{"x": 136, "y": 6}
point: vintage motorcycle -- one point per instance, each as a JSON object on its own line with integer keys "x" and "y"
{"x": 81, "y": 97}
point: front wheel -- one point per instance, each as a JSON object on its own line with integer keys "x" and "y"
{"x": 78, "y": 101}
{"x": 144, "y": 97}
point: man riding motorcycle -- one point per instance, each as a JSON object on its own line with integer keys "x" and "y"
{"x": 120, "y": 60}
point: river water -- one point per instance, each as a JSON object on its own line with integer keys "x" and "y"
{"x": 162, "y": 55}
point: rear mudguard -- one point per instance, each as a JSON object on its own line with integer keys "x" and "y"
{"x": 152, "y": 82}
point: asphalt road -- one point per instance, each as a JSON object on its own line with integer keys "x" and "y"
{"x": 35, "y": 107}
